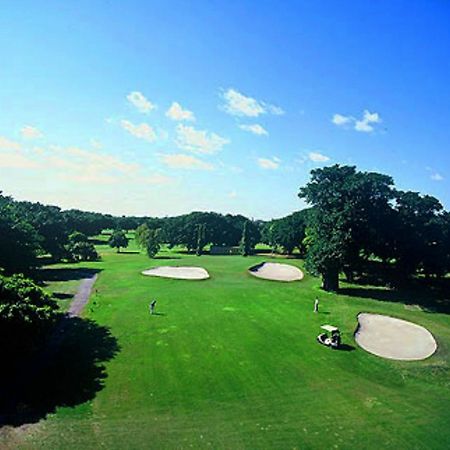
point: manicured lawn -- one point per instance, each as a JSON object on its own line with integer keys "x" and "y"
{"x": 232, "y": 362}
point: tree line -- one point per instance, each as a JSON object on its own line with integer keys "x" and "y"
{"x": 29, "y": 230}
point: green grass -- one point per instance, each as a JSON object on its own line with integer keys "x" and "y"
{"x": 233, "y": 363}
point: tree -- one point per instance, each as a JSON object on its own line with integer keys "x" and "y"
{"x": 348, "y": 206}
{"x": 287, "y": 232}
{"x": 201, "y": 238}
{"x": 141, "y": 234}
{"x": 153, "y": 244}
{"x": 19, "y": 241}
{"x": 420, "y": 235}
{"x": 80, "y": 249}
{"x": 49, "y": 223}
{"x": 245, "y": 244}
{"x": 118, "y": 240}
{"x": 26, "y": 312}
{"x": 149, "y": 239}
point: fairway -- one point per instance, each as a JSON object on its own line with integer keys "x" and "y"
{"x": 232, "y": 362}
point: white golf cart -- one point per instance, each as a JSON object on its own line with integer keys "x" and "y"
{"x": 331, "y": 338}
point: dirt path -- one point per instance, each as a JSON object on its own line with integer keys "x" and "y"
{"x": 82, "y": 296}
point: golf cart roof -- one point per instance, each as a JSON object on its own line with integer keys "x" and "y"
{"x": 329, "y": 328}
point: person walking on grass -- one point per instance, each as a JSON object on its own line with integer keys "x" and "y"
{"x": 316, "y": 305}
{"x": 152, "y": 307}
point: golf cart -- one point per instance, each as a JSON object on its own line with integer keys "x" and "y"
{"x": 331, "y": 338}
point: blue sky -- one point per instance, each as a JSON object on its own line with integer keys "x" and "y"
{"x": 161, "y": 108}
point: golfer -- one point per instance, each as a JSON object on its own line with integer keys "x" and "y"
{"x": 152, "y": 307}
{"x": 316, "y": 305}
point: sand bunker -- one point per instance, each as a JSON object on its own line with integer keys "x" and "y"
{"x": 394, "y": 338}
{"x": 182, "y": 273}
{"x": 276, "y": 271}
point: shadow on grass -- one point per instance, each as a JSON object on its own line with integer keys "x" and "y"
{"x": 431, "y": 296}
{"x": 70, "y": 371}
{"x": 128, "y": 252}
{"x": 345, "y": 348}
{"x": 95, "y": 241}
{"x": 167, "y": 257}
{"x": 62, "y": 295}
{"x": 64, "y": 274}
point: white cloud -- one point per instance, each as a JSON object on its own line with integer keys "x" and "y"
{"x": 138, "y": 99}
{"x": 7, "y": 144}
{"x": 181, "y": 161}
{"x": 238, "y": 104}
{"x": 29, "y": 132}
{"x": 17, "y": 160}
{"x": 339, "y": 119}
{"x": 232, "y": 194}
{"x": 437, "y": 177}
{"x": 317, "y": 157}
{"x": 141, "y": 131}
{"x": 176, "y": 112}
{"x": 13, "y": 157}
{"x": 255, "y": 129}
{"x": 365, "y": 124}
{"x": 99, "y": 162}
{"x": 269, "y": 164}
{"x": 76, "y": 164}
{"x": 199, "y": 141}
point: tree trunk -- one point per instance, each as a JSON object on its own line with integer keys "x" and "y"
{"x": 330, "y": 280}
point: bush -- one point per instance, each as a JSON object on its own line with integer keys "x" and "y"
{"x": 26, "y": 312}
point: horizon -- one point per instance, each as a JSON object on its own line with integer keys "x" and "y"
{"x": 171, "y": 108}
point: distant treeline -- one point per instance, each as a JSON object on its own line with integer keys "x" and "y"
{"x": 29, "y": 230}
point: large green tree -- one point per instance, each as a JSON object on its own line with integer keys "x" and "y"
{"x": 118, "y": 240}
{"x": 345, "y": 224}
{"x": 149, "y": 239}
{"x": 420, "y": 234}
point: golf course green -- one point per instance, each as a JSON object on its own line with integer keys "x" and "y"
{"x": 232, "y": 362}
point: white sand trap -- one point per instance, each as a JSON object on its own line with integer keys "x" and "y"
{"x": 394, "y": 338}
{"x": 276, "y": 271}
{"x": 181, "y": 273}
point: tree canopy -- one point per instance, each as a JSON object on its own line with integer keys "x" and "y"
{"x": 118, "y": 240}
{"x": 360, "y": 215}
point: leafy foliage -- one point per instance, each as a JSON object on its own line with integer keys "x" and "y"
{"x": 118, "y": 240}
{"x": 149, "y": 239}
{"x": 80, "y": 249}
{"x": 19, "y": 242}
{"x": 246, "y": 243}
{"x": 26, "y": 312}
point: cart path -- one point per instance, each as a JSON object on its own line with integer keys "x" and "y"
{"x": 82, "y": 296}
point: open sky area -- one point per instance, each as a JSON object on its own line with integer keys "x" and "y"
{"x": 161, "y": 108}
